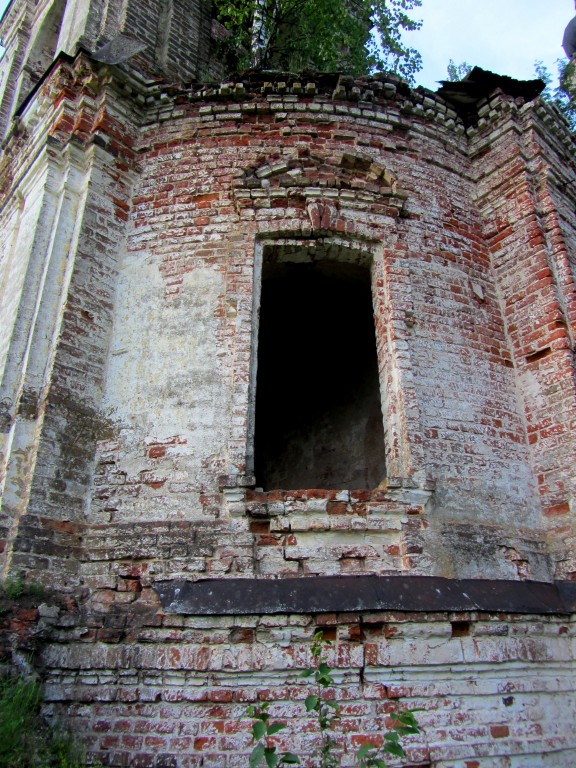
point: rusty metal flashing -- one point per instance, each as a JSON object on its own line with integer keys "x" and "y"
{"x": 335, "y": 594}
{"x": 119, "y": 50}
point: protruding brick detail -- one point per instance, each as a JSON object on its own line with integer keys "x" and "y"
{"x": 316, "y": 532}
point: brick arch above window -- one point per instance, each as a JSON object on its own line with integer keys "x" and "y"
{"x": 327, "y": 186}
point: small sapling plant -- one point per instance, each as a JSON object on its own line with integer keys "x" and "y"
{"x": 263, "y": 752}
{"x": 327, "y": 713}
{"x": 369, "y": 756}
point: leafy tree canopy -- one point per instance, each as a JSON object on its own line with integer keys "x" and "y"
{"x": 563, "y": 96}
{"x": 352, "y": 36}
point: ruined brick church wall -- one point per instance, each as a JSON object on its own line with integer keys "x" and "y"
{"x": 15, "y": 33}
{"x": 439, "y": 328}
{"x": 178, "y": 33}
{"x": 68, "y": 205}
{"x": 136, "y": 224}
{"x": 174, "y": 36}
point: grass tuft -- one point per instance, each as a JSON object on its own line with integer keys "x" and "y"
{"x": 26, "y": 741}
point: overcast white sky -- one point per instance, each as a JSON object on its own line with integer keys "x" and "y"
{"x": 505, "y": 36}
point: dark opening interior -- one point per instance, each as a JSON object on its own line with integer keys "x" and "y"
{"x": 318, "y": 415}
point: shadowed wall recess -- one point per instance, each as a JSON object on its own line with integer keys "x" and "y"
{"x": 318, "y": 415}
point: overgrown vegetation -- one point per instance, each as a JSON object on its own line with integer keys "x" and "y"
{"x": 563, "y": 95}
{"x": 16, "y": 587}
{"x": 326, "y": 712}
{"x": 457, "y": 72}
{"x": 26, "y": 741}
{"x": 15, "y": 591}
{"x": 351, "y": 36}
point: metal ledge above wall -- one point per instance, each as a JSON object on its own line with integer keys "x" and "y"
{"x": 331, "y": 594}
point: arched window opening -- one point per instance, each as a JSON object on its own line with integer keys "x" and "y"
{"x": 318, "y": 421}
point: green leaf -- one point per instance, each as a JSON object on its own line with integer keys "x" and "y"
{"x": 271, "y": 757}
{"x": 258, "y": 730}
{"x": 405, "y": 717}
{"x": 306, "y": 673}
{"x": 311, "y": 702}
{"x": 394, "y": 749}
{"x": 323, "y": 675}
{"x": 275, "y": 727}
{"x": 408, "y": 723}
{"x": 290, "y": 759}
{"x": 364, "y": 750}
{"x": 256, "y": 756}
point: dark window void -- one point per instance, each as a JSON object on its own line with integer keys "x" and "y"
{"x": 318, "y": 414}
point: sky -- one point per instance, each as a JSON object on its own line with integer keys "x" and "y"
{"x": 504, "y": 36}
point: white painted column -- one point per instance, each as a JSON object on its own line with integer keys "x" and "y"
{"x": 30, "y": 360}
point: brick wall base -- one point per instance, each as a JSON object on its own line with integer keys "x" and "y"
{"x": 149, "y": 689}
